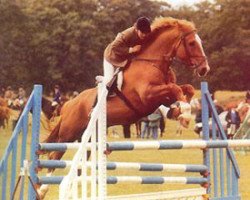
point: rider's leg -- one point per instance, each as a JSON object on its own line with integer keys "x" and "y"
{"x": 120, "y": 80}
{"x": 108, "y": 71}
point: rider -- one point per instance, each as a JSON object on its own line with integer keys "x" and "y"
{"x": 117, "y": 53}
{"x": 56, "y": 96}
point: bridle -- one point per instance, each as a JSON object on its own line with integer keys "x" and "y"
{"x": 173, "y": 56}
{"x": 188, "y": 54}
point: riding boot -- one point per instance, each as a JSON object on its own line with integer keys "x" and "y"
{"x": 111, "y": 85}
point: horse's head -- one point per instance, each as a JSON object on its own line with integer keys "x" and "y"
{"x": 190, "y": 51}
{"x": 177, "y": 40}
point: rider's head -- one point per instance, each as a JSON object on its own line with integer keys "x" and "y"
{"x": 142, "y": 26}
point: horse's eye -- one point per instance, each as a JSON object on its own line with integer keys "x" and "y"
{"x": 192, "y": 44}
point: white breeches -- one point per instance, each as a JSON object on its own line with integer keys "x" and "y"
{"x": 109, "y": 71}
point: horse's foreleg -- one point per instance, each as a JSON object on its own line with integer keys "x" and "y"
{"x": 188, "y": 90}
{"x": 165, "y": 94}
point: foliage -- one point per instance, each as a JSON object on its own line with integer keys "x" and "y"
{"x": 62, "y": 42}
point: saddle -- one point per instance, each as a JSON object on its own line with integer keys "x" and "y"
{"x": 112, "y": 88}
{"x": 112, "y": 84}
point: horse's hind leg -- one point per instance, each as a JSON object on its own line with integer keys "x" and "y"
{"x": 53, "y": 137}
{"x": 44, "y": 188}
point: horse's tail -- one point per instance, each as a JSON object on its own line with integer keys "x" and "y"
{"x": 53, "y": 136}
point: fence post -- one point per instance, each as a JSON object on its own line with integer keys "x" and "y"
{"x": 102, "y": 140}
{"x": 205, "y": 128}
{"x": 36, "y": 111}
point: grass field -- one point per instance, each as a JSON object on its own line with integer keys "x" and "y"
{"x": 169, "y": 156}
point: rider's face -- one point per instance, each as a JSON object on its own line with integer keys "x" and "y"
{"x": 142, "y": 35}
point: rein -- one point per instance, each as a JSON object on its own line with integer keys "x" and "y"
{"x": 172, "y": 57}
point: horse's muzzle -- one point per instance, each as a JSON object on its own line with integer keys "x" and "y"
{"x": 203, "y": 71}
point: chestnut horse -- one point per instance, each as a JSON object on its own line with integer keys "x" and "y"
{"x": 146, "y": 84}
{"x": 146, "y": 81}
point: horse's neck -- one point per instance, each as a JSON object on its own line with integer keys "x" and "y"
{"x": 161, "y": 46}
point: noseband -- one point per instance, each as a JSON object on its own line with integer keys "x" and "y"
{"x": 172, "y": 58}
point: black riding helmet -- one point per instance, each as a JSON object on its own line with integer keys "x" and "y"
{"x": 143, "y": 24}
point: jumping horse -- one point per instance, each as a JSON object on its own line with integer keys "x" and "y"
{"x": 147, "y": 81}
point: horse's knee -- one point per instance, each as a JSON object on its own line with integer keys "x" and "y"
{"x": 188, "y": 90}
{"x": 177, "y": 93}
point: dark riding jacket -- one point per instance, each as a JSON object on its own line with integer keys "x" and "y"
{"x": 117, "y": 52}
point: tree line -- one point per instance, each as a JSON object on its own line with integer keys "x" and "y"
{"x": 62, "y": 42}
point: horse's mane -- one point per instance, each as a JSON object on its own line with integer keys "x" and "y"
{"x": 161, "y": 24}
{"x": 169, "y": 22}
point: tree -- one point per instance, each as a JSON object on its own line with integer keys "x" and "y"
{"x": 62, "y": 42}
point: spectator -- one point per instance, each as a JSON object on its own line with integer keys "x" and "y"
{"x": 9, "y": 96}
{"x": 56, "y": 96}
{"x": 2, "y": 92}
{"x": 246, "y": 101}
{"x": 145, "y": 127}
{"x": 248, "y": 97}
{"x": 244, "y": 131}
{"x": 233, "y": 122}
{"x": 22, "y": 97}
{"x": 154, "y": 123}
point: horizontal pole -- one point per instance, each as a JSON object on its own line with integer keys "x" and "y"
{"x": 176, "y": 144}
{"x": 60, "y": 146}
{"x": 129, "y": 166}
{"x": 132, "y": 179}
{"x": 144, "y": 145}
{"x": 156, "y": 167}
{"x": 195, "y": 193}
{"x": 156, "y": 180}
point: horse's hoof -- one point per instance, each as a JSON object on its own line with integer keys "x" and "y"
{"x": 205, "y": 185}
{"x": 205, "y": 173}
{"x": 38, "y": 169}
{"x": 107, "y": 152}
{"x": 42, "y": 191}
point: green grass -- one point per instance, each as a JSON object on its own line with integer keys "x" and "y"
{"x": 166, "y": 156}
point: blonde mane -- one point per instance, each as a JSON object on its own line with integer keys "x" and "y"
{"x": 161, "y": 24}
{"x": 169, "y": 22}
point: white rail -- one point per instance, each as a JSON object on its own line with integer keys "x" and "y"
{"x": 69, "y": 187}
{"x": 188, "y": 194}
